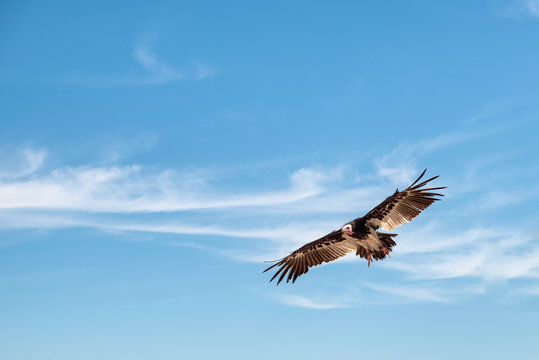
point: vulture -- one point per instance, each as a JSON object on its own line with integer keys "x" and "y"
{"x": 361, "y": 235}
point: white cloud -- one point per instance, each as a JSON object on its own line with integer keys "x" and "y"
{"x": 310, "y": 302}
{"x": 433, "y": 237}
{"x": 520, "y": 8}
{"x": 20, "y": 163}
{"x": 398, "y": 174}
{"x": 400, "y": 164}
{"x": 431, "y": 252}
{"x": 494, "y": 254}
{"x": 154, "y": 70}
{"x": 203, "y": 71}
{"x": 131, "y": 189}
{"x": 498, "y": 199}
{"x": 379, "y": 294}
{"x": 424, "y": 292}
{"x": 313, "y": 180}
{"x": 116, "y": 148}
{"x": 162, "y": 72}
{"x": 412, "y": 293}
{"x": 531, "y": 7}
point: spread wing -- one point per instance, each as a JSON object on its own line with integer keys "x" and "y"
{"x": 404, "y": 205}
{"x": 328, "y": 248}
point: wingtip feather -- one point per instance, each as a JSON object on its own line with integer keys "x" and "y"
{"x": 420, "y": 176}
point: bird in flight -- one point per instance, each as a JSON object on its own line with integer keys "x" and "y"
{"x": 360, "y": 234}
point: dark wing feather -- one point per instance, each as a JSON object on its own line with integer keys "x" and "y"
{"x": 328, "y": 248}
{"x": 404, "y": 205}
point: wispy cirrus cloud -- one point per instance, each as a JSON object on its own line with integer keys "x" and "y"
{"x": 532, "y": 7}
{"x": 490, "y": 254}
{"x": 152, "y": 70}
{"x": 119, "y": 148}
{"x": 417, "y": 292}
{"x": 18, "y": 163}
{"x": 371, "y": 293}
{"x": 309, "y": 302}
{"x": 519, "y": 8}
{"x": 131, "y": 189}
{"x": 400, "y": 164}
{"x": 457, "y": 244}
{"x": 160, "y": 71}
{"x": 127, "y": 198}
{"x": 413, "y": 293}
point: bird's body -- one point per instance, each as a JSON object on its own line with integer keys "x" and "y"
{"x": 361, "y": 235}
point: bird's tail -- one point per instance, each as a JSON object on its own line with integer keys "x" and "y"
{"x": 387, "y": 239}
{"x": 387, "y": 243}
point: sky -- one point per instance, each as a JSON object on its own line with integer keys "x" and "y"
{"x": 153, "y": 156}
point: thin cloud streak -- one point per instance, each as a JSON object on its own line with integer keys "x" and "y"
{"x": 382, "y": 294}
{"x": 155, "y": 71}
{"x": 412, "y": 293}
{"x": 532, "y": 7}
{"x": 424, "y": 292}
{"x": 522, "y": 8}
{"x": 310, "y": 302}
{"x": 130, "y": 189}
{"x": 490, "y": 254}
{"x": 161, "y": 72}
{"x": 22, "y": 163}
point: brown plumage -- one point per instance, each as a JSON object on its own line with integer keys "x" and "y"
{"x": 360, "y": 234}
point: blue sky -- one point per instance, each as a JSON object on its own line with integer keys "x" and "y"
{"x": 154, "y": 155}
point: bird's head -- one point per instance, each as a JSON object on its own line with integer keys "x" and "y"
{"x": 347, "y": 229}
